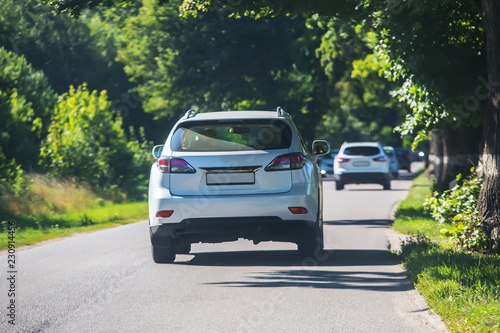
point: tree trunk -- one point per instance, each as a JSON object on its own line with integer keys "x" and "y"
{"x": 489, "y": 198}
{"x": 453, "y": 151}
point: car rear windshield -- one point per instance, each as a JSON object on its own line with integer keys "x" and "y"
{"x": 233, "y": 135}
{"x": 389, "y": 152}
{"x": 362, "y": 151}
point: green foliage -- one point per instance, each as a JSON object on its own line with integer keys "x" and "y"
{"x": 12, "y": 180}
{"x": 61, "y": 46}
{"x": 85, "y": 141}
{"x": 70, "y": 51}
{"x": 436, "y": 54}
{"x": 218, "y": 63}
{"x": 458, "y": 207}
{"x": 25, "y": 102}
{"x": 361, "y": 107}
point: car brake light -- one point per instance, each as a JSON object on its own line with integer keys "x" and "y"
{"x": 164, "y": 213}
{"x": 298, "y": 210}
{"x": 380, "y": 159}
{"x": 298, "y": 161}
{"x": 178, "y": 165}
{"x": 163, "y": 164}
{"x": 342, "y": 160}
{"x": 287, "y": 162}
{"x": 174, "y": 165}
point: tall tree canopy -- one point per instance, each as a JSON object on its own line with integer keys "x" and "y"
{"x": 218, "y": 63}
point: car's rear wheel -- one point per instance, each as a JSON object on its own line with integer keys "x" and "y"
{"x": 312, "y": 242}
{"x": 339, "y": 186}
{"x": 163, "y": 254}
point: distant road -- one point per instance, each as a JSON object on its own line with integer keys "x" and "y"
{"x": 106, "y": 281}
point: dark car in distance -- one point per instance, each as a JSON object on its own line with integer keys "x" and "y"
{"x": 403, "y": 156}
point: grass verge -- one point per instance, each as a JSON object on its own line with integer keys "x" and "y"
{"x": 53, "y": 207}
{"x": 32, "y": 229}
{"x": 464, "y": 288}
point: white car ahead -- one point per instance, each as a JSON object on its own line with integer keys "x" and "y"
{"x": 362, "y": 163}
{"x": 221, "y": 176}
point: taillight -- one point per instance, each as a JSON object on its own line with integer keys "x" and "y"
{"x": 287, "y": 162}
{"x": 163, "y": 164}
{"x": 164, "y": 213}
{"x": 174, "y": 165}
{"x": 298, "y": 161}
{"x": 178, "y": 165}
{"x": 342, "y": 159}
{"x": 298, "y": 210}
{"x": 379, "y": 159}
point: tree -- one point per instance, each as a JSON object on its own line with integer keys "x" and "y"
{"x": 489, "y": 197}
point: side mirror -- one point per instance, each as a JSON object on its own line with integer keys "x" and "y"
{"x": 320, "y": 147}
{"x": 157, "y": 151}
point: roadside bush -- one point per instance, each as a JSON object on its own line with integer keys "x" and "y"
{"x": 86, "y": 140}
{"x": 458, "y": 207}
{"x": 12, "y": 180}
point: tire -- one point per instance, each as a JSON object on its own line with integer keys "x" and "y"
{"x": 339, "y": 186}
{"x": 163, "y": 255}
{"x": 387, "y": 185}
{"x": 311, "y": 244}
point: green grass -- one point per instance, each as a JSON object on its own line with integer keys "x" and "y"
{"x": 464, "y": 288}
{"x": 412, "y": 218}
{"x": 53, "y": 207}
{"x": 32, "y": 229}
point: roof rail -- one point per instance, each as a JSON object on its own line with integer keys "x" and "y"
{"x": 190, "y": 114}
{"x": 280, "y": 111}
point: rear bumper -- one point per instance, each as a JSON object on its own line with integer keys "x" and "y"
{"x": 404, "y": 164}
{"x": 216, "y": 230}
{"x": 363, "y": 178}
{"x": 230, "y": 206}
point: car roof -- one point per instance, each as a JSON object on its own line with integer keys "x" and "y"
{"x": 235, "y": 115}
{"x": 350, "y": 144}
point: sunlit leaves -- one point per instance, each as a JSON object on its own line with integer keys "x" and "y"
{"x": 87, "y": 141}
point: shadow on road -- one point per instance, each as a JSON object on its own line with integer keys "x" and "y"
{"x": 372, "y": 189}
{"x": 286, "y": 258}
{"x": 359, "y": 280}
{"x": 368, "y": 222}
{"x": 308, "y": 273}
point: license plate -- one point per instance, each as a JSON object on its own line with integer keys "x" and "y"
{"x": 361, "y": 164}
{"x": 231, "y": 178}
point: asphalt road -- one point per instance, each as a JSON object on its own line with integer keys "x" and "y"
{"x": 106, "y": 281}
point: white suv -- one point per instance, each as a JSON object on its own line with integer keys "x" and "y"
{"x": 362, "y": 163}
{"x": 240, "y": 174}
